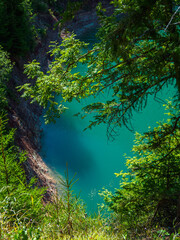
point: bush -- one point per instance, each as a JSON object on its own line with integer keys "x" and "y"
{"x": 19, "y": 202}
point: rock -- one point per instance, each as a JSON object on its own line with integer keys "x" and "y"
{"x": 25, "y": 117}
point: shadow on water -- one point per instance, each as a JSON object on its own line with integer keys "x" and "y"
{"x": 89, "y": 153}
{"x": 63, "y": 144}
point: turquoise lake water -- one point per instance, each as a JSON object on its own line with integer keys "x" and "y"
{"x": 89, "y": 153}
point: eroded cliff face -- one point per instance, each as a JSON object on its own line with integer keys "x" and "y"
{"x": 23, "y": 115}
{"x": 87, "y": 19}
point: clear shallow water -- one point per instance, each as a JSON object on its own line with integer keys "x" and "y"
{"x": 89, "y": 153}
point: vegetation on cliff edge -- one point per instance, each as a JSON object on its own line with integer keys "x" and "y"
{"x": 137, "y": 55}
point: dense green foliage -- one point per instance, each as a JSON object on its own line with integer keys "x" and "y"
{"x": 19, "y": 201}
{"x": 66, "y": 218}
{"x": 5, "y": 70}
{"x": 149, "y": 191}
{"x": 16, "y": 33}
{"x": 136, "y": 57}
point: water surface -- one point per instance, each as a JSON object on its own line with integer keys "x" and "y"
{"x": 89, "y": 153}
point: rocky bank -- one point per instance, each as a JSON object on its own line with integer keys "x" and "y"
{"x": 23, "y": 115}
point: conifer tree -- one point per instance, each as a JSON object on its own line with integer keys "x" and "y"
{"x": 149, "y": 191}
{"x": 137, "y": 56}
{"x": 18, "y": 200}
{"x": 16, "y": 35}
